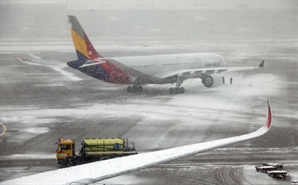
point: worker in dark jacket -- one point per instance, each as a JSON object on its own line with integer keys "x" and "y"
{"x": 231, "y": 80}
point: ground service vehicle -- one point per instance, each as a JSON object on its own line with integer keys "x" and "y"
{"x": 265, "y": 169}
{"x": 93, "y": 149}
{"x": 269, "y": 167}
{"x": 277, "y": 165}
{"x": 279, "y": 174}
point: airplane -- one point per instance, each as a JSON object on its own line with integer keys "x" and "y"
{"x": 141, "y": 70}
{"x": 98, "y": 171}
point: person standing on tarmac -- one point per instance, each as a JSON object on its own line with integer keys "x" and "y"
{"x": 231, "y": 80}
{"x": 223, "y": 80}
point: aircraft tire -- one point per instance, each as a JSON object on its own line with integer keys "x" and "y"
{"x": 176, "y": 90}
{"x": 271, "y": 175}
{"x": 181, "y": 90}
{"x": 129, "y": 89}
{"x": 139, "y": 88}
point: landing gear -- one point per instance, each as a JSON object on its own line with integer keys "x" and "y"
{"x": 139, "y": 88}
{"x": 129, "y": 89}
{"x": 135, "y": 89}
{"x": 181, "y": 90}
{"x": 176, "y": 90}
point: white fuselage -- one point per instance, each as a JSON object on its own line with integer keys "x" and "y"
{"x": 156, "y": 65}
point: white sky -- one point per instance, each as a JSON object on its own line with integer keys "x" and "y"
{"x": 172, "y": 4}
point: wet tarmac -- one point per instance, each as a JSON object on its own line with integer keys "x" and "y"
{"x": 40, "y": 104}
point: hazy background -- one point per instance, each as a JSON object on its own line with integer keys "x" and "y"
{"x": 40, "y": 104}
{"x": 27, "y": 19}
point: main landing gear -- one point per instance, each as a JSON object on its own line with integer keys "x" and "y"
{"x": 177, "y": 89}
{"x": 135, "y": 89}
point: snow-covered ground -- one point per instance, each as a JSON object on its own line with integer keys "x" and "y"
{"x": 60, "y": 106}
{"x": 228, "y": 105}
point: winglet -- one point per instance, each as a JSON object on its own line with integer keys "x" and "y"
{"x": 22, "y": 59}
{"x": 262, "y": 63}
{"x": 269, "y": 115}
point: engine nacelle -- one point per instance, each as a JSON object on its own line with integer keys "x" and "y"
{"x": 213, "y": 80}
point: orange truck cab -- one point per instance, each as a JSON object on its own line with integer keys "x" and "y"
{"x": 65, "y": 149}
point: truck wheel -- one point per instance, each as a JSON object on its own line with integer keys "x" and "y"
{"x": 69, "y": 162}
{"x": 271, "y": 175}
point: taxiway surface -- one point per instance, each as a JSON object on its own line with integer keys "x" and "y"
{"x": 40, "y": 104}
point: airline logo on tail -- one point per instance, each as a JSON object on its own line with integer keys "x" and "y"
{"x": 89, "y": 61}
{"x": 83, "y": 46}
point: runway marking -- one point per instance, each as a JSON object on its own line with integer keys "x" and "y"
{"x": 4, "y": 129}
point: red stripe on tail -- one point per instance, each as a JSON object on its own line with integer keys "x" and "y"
{"x": 91, "y": 51}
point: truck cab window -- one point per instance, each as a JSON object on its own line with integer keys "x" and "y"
{"x": 65, "y": 147}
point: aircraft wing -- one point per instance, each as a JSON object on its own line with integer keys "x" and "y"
{"x": 97, "y": 171}
{"x": 36, "y": 60}
{"x": 25, "y": 61}
{"x": 193, "y": 73}
{"x": 55, "y": 65}
{"x": 230, "y": 69}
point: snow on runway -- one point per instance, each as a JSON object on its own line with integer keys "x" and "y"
{"x": 56, "y": 105}
{"x": 198, "y": 109}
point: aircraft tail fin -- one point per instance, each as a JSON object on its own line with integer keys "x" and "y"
{"x": 84, "y": 48}
{"x": 93, "y": 64}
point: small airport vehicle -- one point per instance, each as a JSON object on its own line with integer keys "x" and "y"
{"x": 269, "y": 167}
{"x": 94, "y": 149}
{"x": 265, "y": 169}
{"x": 279, "y": 174}
{"x": 277, "y": 165}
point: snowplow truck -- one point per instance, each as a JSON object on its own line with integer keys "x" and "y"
{"x": 93, "y": 149}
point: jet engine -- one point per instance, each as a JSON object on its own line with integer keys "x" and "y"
{"x": 213, "y": 80}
